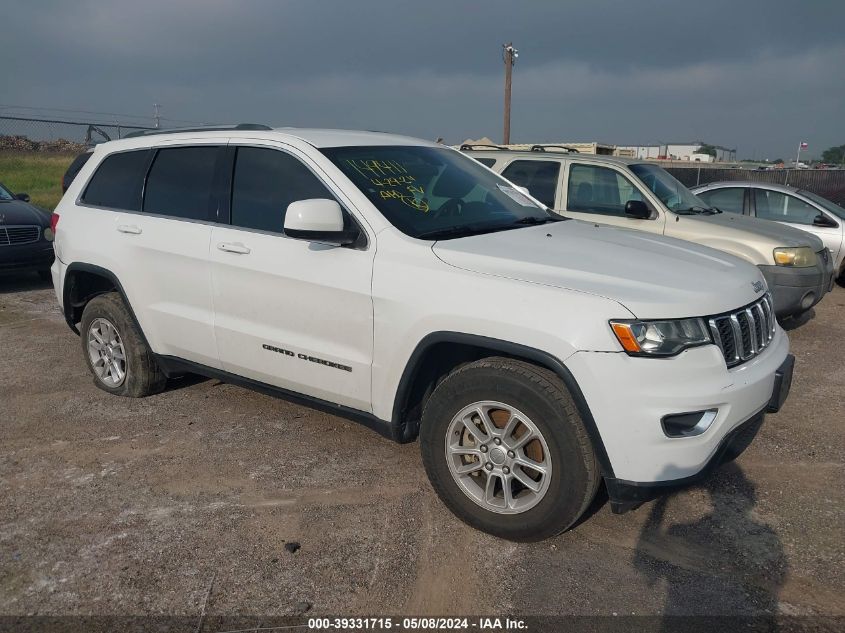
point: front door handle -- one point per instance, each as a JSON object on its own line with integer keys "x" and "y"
{"x": 132, "y": 229}
{"x": 233, "y": 247}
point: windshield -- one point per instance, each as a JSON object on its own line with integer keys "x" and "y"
{"x": 671, "y": 191}
{"x": 824, "y": 202}
{"x": 436, "y": 193}
{"x": 5, "y": 194}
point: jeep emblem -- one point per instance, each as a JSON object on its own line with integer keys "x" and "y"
{"x": 757, "y": 285}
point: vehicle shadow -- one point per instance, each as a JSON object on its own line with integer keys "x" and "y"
{"x": 22, "y": 282}
{"x": 184, "y": 381}
{"x": 792, "y": 323}
{"x": 727, "y": 563}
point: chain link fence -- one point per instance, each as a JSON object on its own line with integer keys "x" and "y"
{"x": 26, "y": 134}
{"x": 829, "y": 183}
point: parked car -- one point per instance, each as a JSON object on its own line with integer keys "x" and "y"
{"x": 399, "y": 283}
{"x": 791, "y": 206}
{"x": 639, "y": 195}
{"x": 25, "y": 235}
{"x": 74, "y": 167}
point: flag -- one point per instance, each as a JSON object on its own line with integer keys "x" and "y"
{"x": 804, "y": 145}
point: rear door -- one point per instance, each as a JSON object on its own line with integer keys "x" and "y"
{"x": 157, "y": 241}
{"x": 291, "y": 313}
{"x": 596, "y": 193}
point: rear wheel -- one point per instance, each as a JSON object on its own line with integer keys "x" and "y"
{"x": 115, "y": 351}
{"x": 506, "y": 450}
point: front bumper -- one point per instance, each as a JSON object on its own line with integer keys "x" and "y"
{"x": 26, "y": 257}
{"x": 796, "y": 290}
{"x": 629, "y": 396}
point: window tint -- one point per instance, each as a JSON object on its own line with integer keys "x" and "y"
{"x": 117, "y": 181}
{"x": 73, "y": 169}
{"x": 774, "y": 205}
{"x": 599, "y": 190}
{"x": 728, "y": 199}
{"x": 266, "y": 181}
{"x": 180, "y": 181}
{"x": 487, "y": 162}
{"x": 538, "y": 176}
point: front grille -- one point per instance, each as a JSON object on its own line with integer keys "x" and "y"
{"x": 744, "y": 333}
{"x": 14, "y": 235}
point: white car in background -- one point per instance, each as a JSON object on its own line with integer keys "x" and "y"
{"x": 790, "y": 206}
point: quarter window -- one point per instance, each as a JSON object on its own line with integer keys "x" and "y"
{"x": 781, "y": 207}
{"x": 538, "y": 176}
{"x": 117, "y": 181}
{"x": 487, "y": 162}
{"x": 729, "y": 199}
{"x": 266, "y": 181}
{"x": 599, "y": 190}
{"x": 180, "y": 182}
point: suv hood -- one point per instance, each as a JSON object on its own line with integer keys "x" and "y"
{"x": 752, "y": 229}
{"x": 653, "y": 276}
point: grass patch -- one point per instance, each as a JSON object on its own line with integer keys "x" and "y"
{"x": 39, "y": 175}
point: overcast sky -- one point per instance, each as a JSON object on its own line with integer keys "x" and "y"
{"x": 759, "y": 76}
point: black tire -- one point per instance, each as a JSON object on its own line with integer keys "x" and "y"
{"x": 542, "y": 397}
{"x": 143, "y": 375}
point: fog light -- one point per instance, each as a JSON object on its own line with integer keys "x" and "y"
{"x": 808, "y": 299}
{"x": 688, "y": 424}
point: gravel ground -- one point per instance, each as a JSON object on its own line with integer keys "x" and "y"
{"x": 198, "y": 497}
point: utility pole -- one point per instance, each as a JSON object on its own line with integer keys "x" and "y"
{"x": 156, "y": 116}
{"x": 509, "y": 55}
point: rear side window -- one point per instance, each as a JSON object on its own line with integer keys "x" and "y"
{"x": 180, "y": 181}
{"x": 538, "y": 176}
{"x": 728, "y": 199}
{"x": 117, "y": 181}
{"x": 487, "y": 162}
{"x": 266, "y": 181}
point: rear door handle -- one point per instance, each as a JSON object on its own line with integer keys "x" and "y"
{"x": 233, "y": 247}
{"x": 132, "y": 229}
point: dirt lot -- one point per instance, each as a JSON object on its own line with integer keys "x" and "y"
{"x": 117, "y": 506}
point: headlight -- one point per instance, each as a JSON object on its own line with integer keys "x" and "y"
{"x": 797, "y": 256}
{"x": 48, "y": 234}
{"x": 660, "y": 338}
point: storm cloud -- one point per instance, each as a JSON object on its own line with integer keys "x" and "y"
{"x": 759, "y": 76}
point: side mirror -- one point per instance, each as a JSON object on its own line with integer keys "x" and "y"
{"x": 22, "y": 196}
{"x": 822, "y": 220}
{"x": 637, "y": 209}
{"x": 318, "y": 220}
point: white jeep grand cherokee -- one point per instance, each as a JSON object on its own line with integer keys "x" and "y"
{"x": 402, "y": 284}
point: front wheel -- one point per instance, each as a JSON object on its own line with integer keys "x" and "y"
{"x": 506, "y": 450}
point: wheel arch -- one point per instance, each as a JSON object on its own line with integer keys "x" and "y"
{"x": 83, "y": 282}
{"x": 439, "y": 353}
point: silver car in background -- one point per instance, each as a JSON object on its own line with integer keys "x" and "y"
{"x": 791, "y": 206}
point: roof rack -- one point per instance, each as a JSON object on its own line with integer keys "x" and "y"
{"x": 543, "y": 148}
{"x": 209, "y": 128}
{"x": 469, "y": 147}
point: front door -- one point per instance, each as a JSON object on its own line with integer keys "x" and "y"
{"x": 599, "y": 194}
{"x": 291, "y": 313}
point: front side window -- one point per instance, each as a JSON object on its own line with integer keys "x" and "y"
{"x": 117, "y": 182}
{"x": 179, "y": 182}
{"x": 265, "y": 182}
{"x": 669, "y": 189}
{"x": 781, "y": 207}
{"x": 831, "y": 206}
{"x": 599, "y": 190}
{"x": 729, "y": 199}
{"x": 435, "y": 193}
{"x": 538, "y": 176}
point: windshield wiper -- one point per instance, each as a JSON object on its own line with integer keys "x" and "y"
{"x": 697, "y": 211}
{"x": 532, "y": 220}
{"x": 463, "y": 230}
